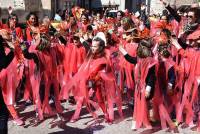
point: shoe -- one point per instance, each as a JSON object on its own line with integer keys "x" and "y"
{"x": 18, "y": 122}
{"x": 149, "y": 127}
{"x": 175, "y": 122}
{"x": 73, "y": 120}
{"x": 72, "y": 100}
{"x": 39, "y": 115}
{"x": 133, "y": 126}
{"x": 28, "y": 103}
{"x": 172, "y": 130}
{"x": 198, "y": 129}
{"x": 107, "y": 119}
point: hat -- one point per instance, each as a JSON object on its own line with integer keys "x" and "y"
{"x": 102, "y": 36}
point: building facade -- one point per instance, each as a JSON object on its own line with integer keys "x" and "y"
{"x": 49, "y": 7}
{"x": 154, "y": 6}
{"x": 23, "y": 7}
{"x": 40, "y": 7}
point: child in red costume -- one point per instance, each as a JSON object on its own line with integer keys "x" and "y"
{"x": 145, "y": 79}
{"x": 192, "y": 83}
{"x": 165, "y": 74}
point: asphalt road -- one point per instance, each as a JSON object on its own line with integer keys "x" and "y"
{"x": 86, "y": 125}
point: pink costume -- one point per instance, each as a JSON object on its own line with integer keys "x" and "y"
{"x": 161, "y": 100}
{"x": 49, "y": 63}
{"x": 190, "y": 62}
{"x": 73, "y": 59}
{"x": 34, "y": 74}
{"x": 141, "y": 111}
{"x": 98, "y": 69}
{"x": 126, "y": 67}
{"x": 10, "y": 81}
{"x": 12, "y": 75}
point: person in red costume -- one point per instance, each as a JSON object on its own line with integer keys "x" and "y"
{"x": 33, "y": 74}
{"x": 129, "y": 41}
{"x": 189, "y": 60}
{"x": 31, "y": 22}
{"x": 74, "y": 56}
{"x": 47, "y": 53}
{"x": 5, "y": 60}
{"x": 191, "y": 87}
{"x": 84, "y": 22}
{"x": 187, "y": 23}
{"x": 96, "y": 71}
{"x": 165, "y": 84}
{"x": 163, "y": 23}
{"x": 15, "y": 69}
{"x": 145, "y": 82}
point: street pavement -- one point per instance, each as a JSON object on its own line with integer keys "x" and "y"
{"x": 86, "y": 125}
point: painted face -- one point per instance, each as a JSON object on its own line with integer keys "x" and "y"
{"x": 76, "y": 42}
{"x": 191, "y": 17}
{"x": 12, "y": 23}
{"x": 163, "y": 19}
{"x": 32, "y": 20}
{"x": 95, "y": 47}
{"x": 14, "y": 19}
{"x": 84, "y": 19}
{"x": 119, "y": 16}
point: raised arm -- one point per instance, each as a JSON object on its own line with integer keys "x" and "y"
{"x": 129, "y": 58}
{"x": 171, "y": 11}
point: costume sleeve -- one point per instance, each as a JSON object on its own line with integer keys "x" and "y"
{"x": 5, "y": 59}
{"x": 171, "y": 76}
{"x": 62, "y": 40}
{"x": 53, "y": 31}
{"x": 31, "y": 56}
{"x": 130, "y": 59}
{"x": 184, "y": 53}
{"x": 94, "y": 72}
{"x": 174, "y": 13}
{"x": 150, "y": 80}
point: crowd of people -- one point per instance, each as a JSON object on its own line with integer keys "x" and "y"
{"x": 102, "y": 62}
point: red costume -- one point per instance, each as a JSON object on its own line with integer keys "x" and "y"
{"x": 126, "y": 67}
{"x": 141, "y": 111}
{"x": 95, "y": 69}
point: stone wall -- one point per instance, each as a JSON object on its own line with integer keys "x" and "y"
{"x": 23, "y": 7}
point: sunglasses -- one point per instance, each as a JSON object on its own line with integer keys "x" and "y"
{"x": 190, "y": 16}
{"x": 14, "y": 18}
{"x": 33, "y": 18}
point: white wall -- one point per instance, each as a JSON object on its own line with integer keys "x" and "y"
{"x": 156, "y": 7}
